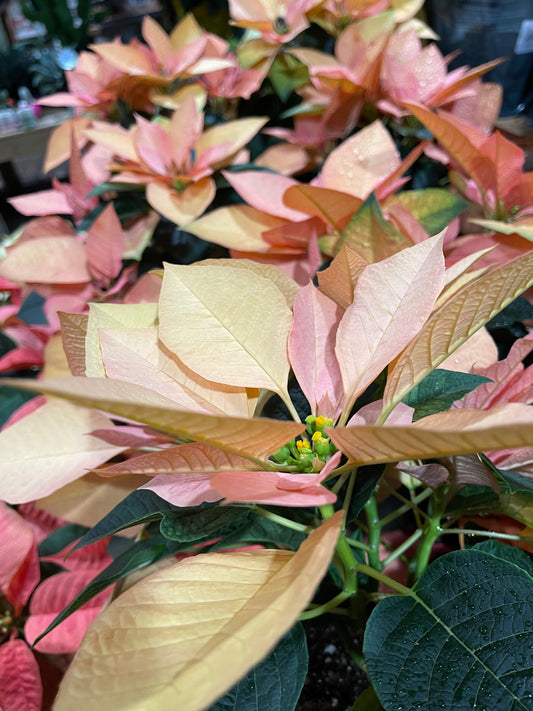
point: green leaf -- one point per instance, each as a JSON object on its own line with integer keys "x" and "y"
{"x": 192, "y": 524}
{"x": 115, "y": 187}
{"x": 276, "y": 682}
{"x": 10, "y": 400}
{"x": 287, "y": 74}
{"x": 461, "y": 639}
{"x": 370, "y": 235}
{"x": 365, "y": 483}
{"x": 141, "y": 506}
{"x": 265, "y": 532}
{"x": 60, "y": 538}
{"x": 514, "y": 484}
{"x": 434, "y": 208}
{"x": 367, "y": 701}
{"x": 518, "y": 310}
{"x": 510, "y": 554}
{"x": 439, "y": 390}
{"x": 472, "y": 500}
{"x": 137, "y": 556}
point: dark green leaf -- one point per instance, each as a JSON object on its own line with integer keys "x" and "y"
{"x": 518, "y": 310}
{"x": 440, "y": 389}
{"x": 60, "y": 538}
{"x": 365, "y": 483}
{"x": 6, "y": 343}
{"x": 462, "y": 639}
{"x": 193, "y": 524}
{"x": 141, "y": 506}
{"x": 510, "y": 554}
{"x": 137, "y": 556}
{"x": 515, "y": 484}
{"x": 115, "y": 187}
{"x": 10, "y": 400}
{"x": 473, "y": 499}
{"x": 262, "y": 531}
{"x": 275, "y": 683}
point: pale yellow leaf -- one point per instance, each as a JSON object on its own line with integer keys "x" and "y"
{"x": 55, "y": 360}
{"x": 288, "y": 287}
{"x": 73, "y": 333}
{"x": 230, "y": 326}
{"x": 113, "y": 316}
{"x": 456, "y": 285}
{"x": 461, "y": 431}
{"x": 522, "y": 227}
{"x": 183, "y": 636}
{"x": 137, "y": 355}
{"x": 458, "y": 275}
{"x": 254, "y": 439}
{"x": 235, "y": 227}
{"x": 452, "y": 324}
{"x": 87, "y": 500}
{"x": 405, "y": 9}
{"x": 48, "y": 449}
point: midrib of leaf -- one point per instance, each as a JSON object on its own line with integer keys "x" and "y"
{"x": 451, "y": 633}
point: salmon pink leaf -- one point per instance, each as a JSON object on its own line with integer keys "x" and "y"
{"x": 105, "y": 246}
{"x": 254, "y": 439}
{"x": 52, "y": 596}
{"x": 392, "y": 300}
{"x": 339, "y": 279}
{"x": 19, "y": 562}
{"x": 312, "y": 350}
{"x": 20, "y": 679}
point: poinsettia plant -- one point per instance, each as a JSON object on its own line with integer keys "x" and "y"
{"x": 321, "y": 415}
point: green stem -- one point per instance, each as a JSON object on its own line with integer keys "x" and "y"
{"x": 431, "y": 532}
{"x": 487, "y": 534}
{"x": 402, "y": 548}
{"x": 276, "y": 518}
{"x": 374, "y": 532}
{"x": 408, "y": 505}
{"x": 340, "y": 483}
{"x": 326, "y": 607}
{"x": 344, "y": 553}
{"x": 394, "y": 584}
{"x": 358, "y": 544}
{"x": 349, "y": 490}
